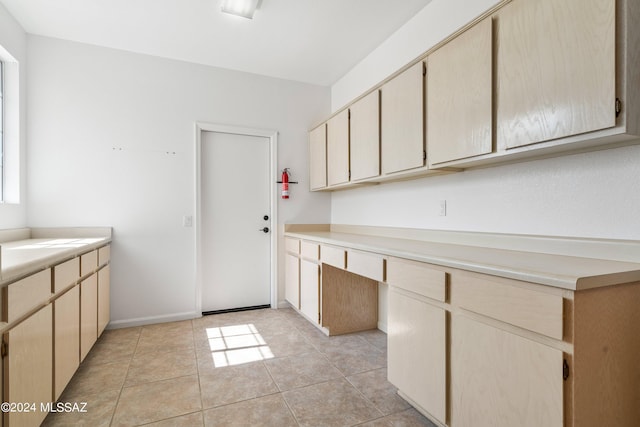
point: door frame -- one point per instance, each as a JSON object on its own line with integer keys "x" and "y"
{"x": 273, "y": 201}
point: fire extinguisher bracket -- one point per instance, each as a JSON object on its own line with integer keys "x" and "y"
{"x": 290, "y": 182}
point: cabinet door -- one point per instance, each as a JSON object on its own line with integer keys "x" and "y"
{"x": 29, "y": 367}
{"x": 459, "y": 96}
{"x": 338, "y": 148}
{"x": 499, "y": 379}
{"x": 310, "y": 290}
{"x": 364, "y": 131}
{"x": 66, "y": 335}
{"x": 104, "y": 298}
{"x": 292, "y": 280}
{"x": 88, "y": 314}
{"x": 402, "y": 115}
{"x": 318, "y": 158}
{"x": 555, "y": 69}
{"x": 417, "y": 352}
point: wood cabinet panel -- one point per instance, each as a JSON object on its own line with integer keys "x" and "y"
{"x": 88, "y": 263}
{"x": 104, "y": 255}
{"x": 349, "y": 301}
{"x": 417, "y": 352}
{"x": 333, "y": 256}
{"x": 292, "y": 280}
{"x": 459, "y": 96}
{"x": 104, "y": 298}
{"x": 24, "y": 295}
{"x": 338, "y": 149}
{"x": 88, "y": 314}
{"x": 364, "y": 133}
{"x": 66, "y": 327}
{"x": 366, "y": 264}
{"x": 497, "y": 298}
{"x": 499, "y": 379}
{"x": 292, "y": 245}
{"x": 555, "y": 69}
{"x": 402, "y": 121}
{"x": 29, "y": 367}
{"x": 417, "y": 277}
{"x": 318, "y": 158}
{"x": 66, "y": 274}
{"x": 310, "y": 250}
{"x": 310, "y": 290}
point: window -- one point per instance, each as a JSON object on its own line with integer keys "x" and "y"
{"x": 9, "y": 128}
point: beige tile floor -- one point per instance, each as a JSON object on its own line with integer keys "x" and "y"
{"x": 254, "y": 368}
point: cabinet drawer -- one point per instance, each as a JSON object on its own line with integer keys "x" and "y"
{"x": 26, "y": 294}
{"x": 417, "y": 277}
{"x": 366, "y": 264}
{"x": 333, "y": 256}
{"x": 509, "y": 302}
{"x": 88, "y": 262}
{"x": 292, "y": 245}
{"x": 310, "y": 250}
{"x": 66, "y": 274}
{"x": 104, "y": 255}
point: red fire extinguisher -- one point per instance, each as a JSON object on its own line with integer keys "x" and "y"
{"x": 285, "y": 183}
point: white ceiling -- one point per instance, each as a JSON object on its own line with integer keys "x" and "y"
{"x": 313, "y": 41}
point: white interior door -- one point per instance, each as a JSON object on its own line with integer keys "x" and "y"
{"x": 235, "y": 236}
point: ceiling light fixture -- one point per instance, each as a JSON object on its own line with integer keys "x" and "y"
{"x": 244, "y": 8}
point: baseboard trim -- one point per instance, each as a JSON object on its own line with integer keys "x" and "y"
{"x": 141, "y": 321}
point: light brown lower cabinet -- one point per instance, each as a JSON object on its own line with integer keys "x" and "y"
{"x": 53, "y": 321}
{"x": 310, "y": 290}
{"x": 88, "y": 314}
{"x": 104, "y": 300}
{"x": 473, "y": 350}
{"x": 417, "y": 351}
{"x": 66, "y": 334}
{"x": 292, "y": 280}
{"x": 28, "y": 368}
{"x": 499, "y": 379}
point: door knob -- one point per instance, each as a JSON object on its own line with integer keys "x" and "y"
{"x": 264, "y": 230}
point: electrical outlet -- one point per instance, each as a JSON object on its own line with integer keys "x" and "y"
{"x": 443, "y": 208}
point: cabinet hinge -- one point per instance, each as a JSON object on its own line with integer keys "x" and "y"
{"x": 424, "y": 68}
{"x": 349, "y": 114}
{"x": 424, "y": 154}
{"x": 618, "y": 107}
{"x": 4, "y": 349}
{"x": 565, "y": 370}
{"x": 349, "y": 175}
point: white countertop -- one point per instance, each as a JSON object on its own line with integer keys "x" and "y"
{"x": 20, "y": 258}
{"x": 562, "y": 271}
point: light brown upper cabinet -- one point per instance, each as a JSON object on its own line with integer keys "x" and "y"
{"x": 365, "y": 137}
{"x": 556, "y": 70}
{"x": 402, "y": 126}
{"x": 459, "y": 96}
{"x": 338, "y": 149}
{"x": 318, "y": 157}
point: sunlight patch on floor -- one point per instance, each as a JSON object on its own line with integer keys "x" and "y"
{"x": 237, "y": 344}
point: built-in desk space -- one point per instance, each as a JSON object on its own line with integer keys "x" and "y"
{"x": 483, "y": 329}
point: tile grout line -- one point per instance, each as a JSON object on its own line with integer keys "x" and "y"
{"x": 115, "y": 407}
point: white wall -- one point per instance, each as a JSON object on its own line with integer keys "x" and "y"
{"x": 431, "y": 25}
{"x": 86, "y": 100}
{"x": 585, "y": 195}
{"x": 13, "y": 39}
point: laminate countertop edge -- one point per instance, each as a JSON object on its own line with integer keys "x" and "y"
{"x": 560, "y": 271}
{"x": 22, "y": 258}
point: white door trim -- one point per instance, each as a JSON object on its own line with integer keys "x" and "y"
{"x": 273, "y": 200}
